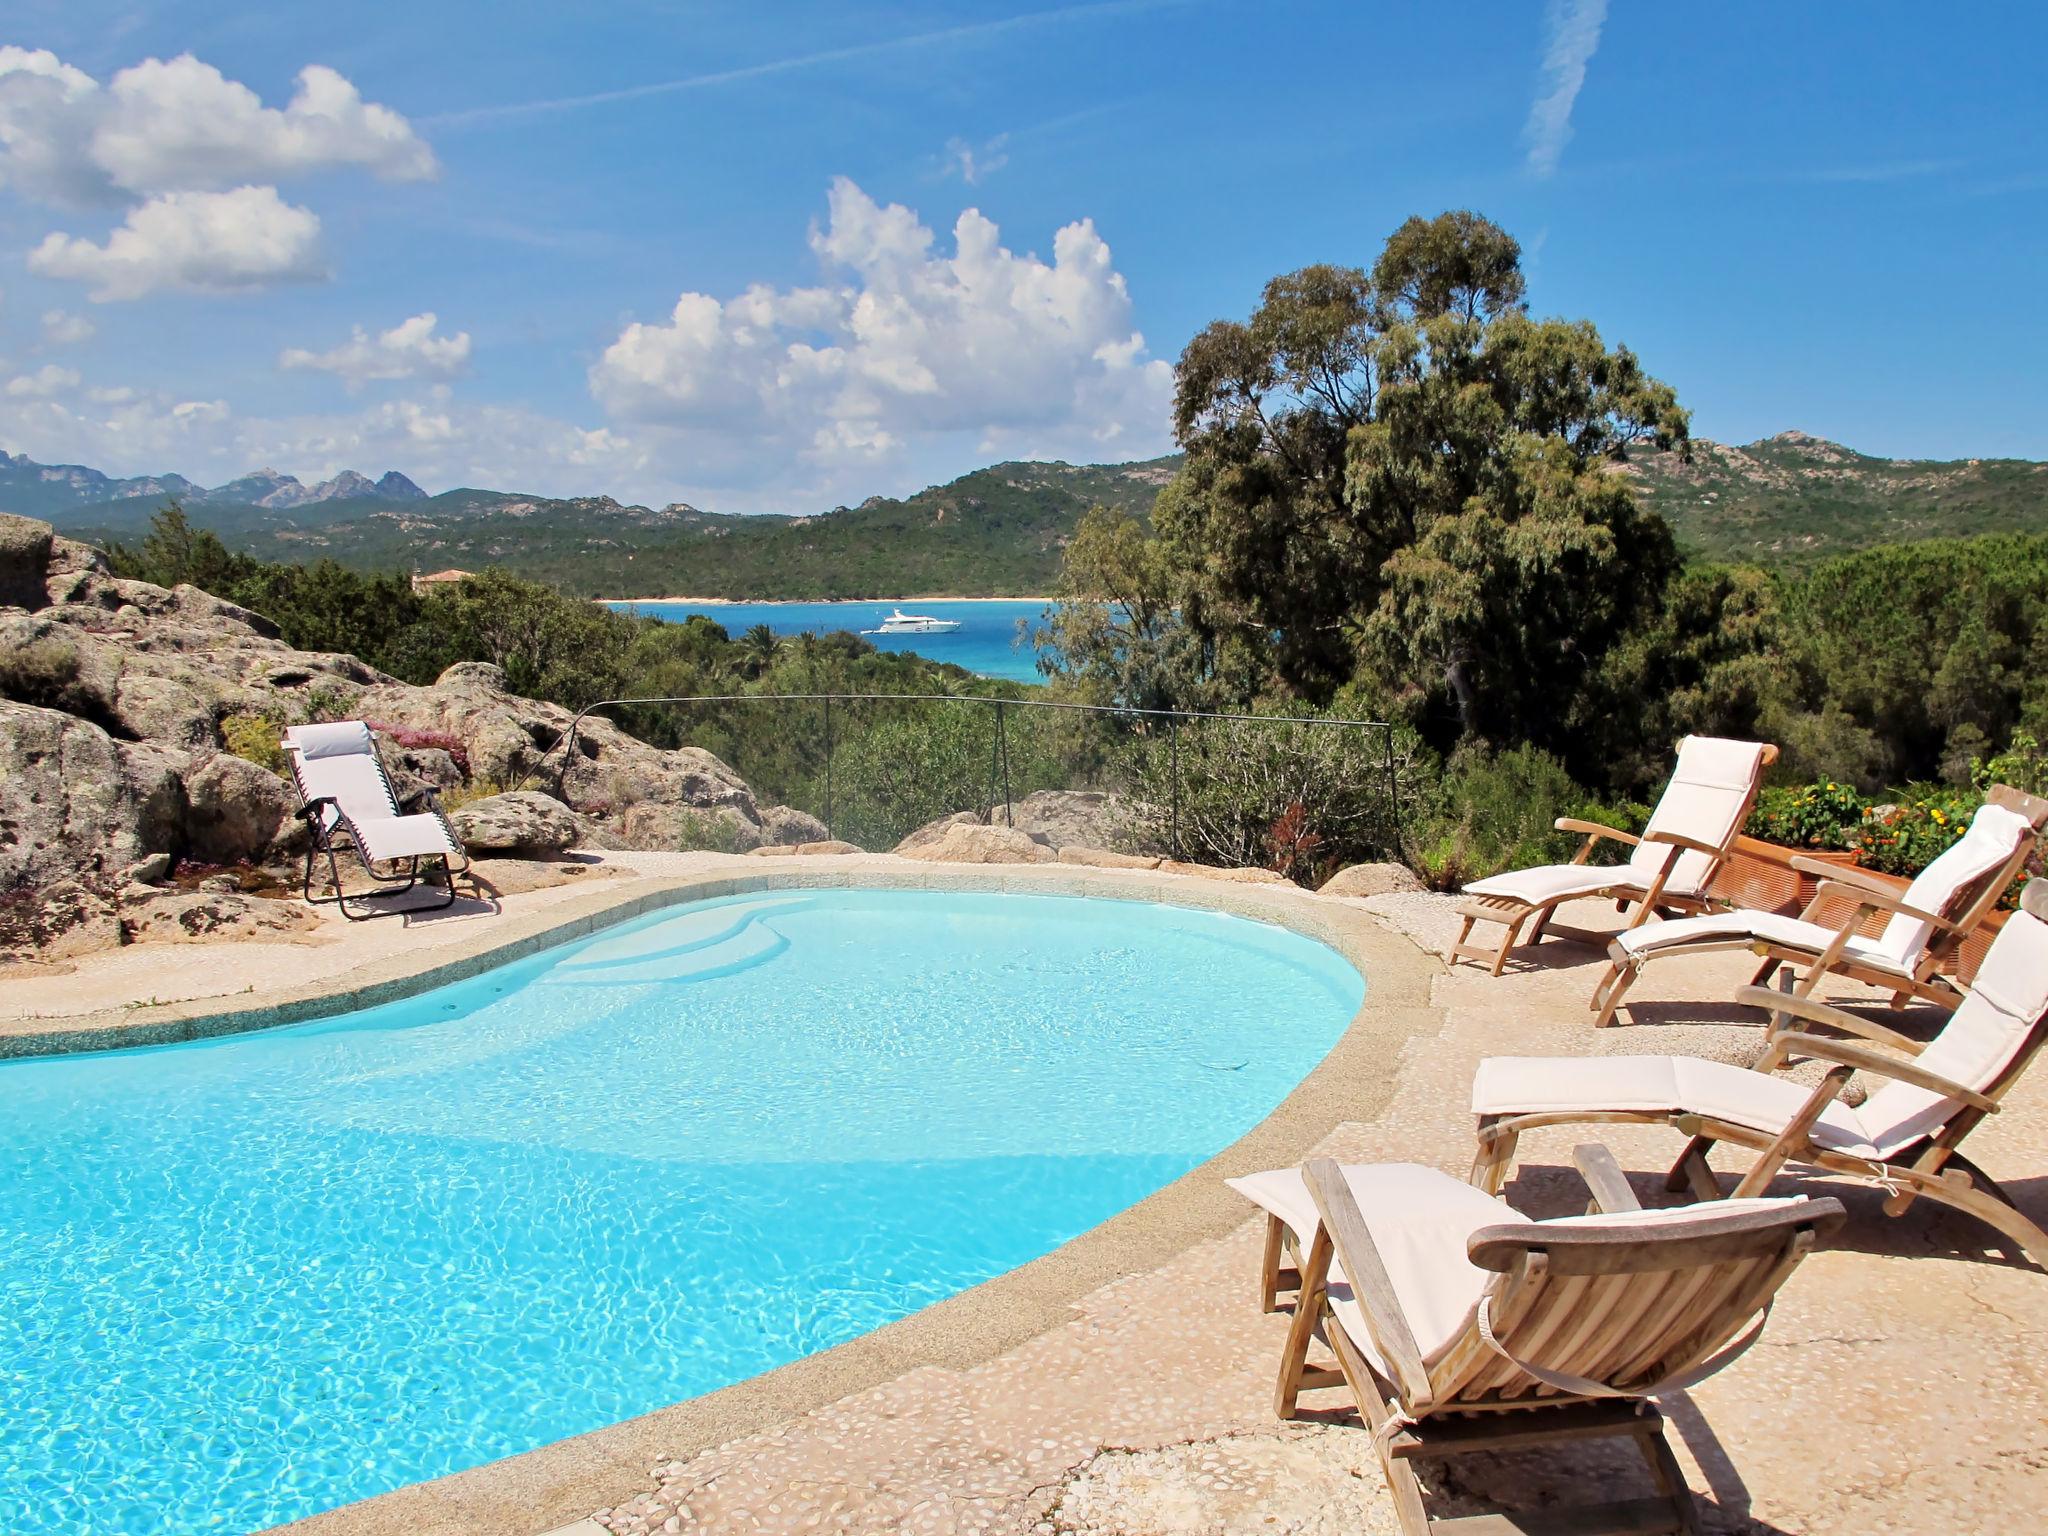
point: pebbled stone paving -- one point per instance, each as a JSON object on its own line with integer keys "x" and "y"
{"x": 1902, "y": 1385}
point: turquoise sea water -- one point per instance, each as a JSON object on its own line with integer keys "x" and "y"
{"x": 986, "y": 641}
{"x": 247, "y": 1279}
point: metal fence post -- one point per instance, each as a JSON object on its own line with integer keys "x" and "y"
{"x": 1173, "y": 755}
{"x": 828, "y": 765}
{"x": 1393, "y": 796}
{"x": 1003, "y": 752}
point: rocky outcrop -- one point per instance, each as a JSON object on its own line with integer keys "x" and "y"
{"x": 971, "y": 843}
{"x": 828, "y": 848}
{"x": 787, "y": 824}
{"x": 1370, "y": 880}
{"x": 932, "y": 831}
{"x": 690, "y": 828}
{"x": 236, "y": 811}
{"x": 1079, "y": 817}
{"x": 519, "y": 825}
{"x": 74, "y": 800}
{"x": 24, "y": 558}
{"x": 1056, "y": 818}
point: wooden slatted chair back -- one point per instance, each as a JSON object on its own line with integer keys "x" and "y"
{"x": 1626, "y": 1301}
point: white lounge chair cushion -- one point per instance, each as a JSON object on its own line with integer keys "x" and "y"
{"x": 404, "y": 837}
{"x": 1978, "y": 1042}
{"x": 341, "y": 738}
{"x": 1763, "y": 1101}
{"x": 1547, "y": 883}
{"x": 1739, "y": 928}
{"x": 1420, "y": 1220}
{"x": 1993, "y": 836}
{"x": 1709, "y": 792}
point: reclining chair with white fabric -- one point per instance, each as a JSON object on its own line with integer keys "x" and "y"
{"x": 348, "y": 805}
{"x": 1928, "y": 922}
{"x": 1906, "y": 1137}
{"x": 1687, "y": 840}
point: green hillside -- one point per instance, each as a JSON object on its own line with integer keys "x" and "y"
{"x": 1792, "y": 499}
{"x": 1783, "y": 503}
{"x": 996, "y": 532}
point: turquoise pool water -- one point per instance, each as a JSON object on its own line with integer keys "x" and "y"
{"x": 247, "y": 1279}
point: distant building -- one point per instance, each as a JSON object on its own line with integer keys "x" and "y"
{"x": 438, "y": 579}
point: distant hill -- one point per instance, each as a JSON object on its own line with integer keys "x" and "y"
{"x": 1792, "y": 499}
{"x": 1783, "y": 502}
{"x": 996, "y": 532}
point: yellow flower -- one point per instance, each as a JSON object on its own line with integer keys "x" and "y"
{"x": 1940, "y": 820}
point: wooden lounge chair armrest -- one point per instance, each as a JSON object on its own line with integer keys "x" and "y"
{"x": 1847, "y": 873}
{"x": 1391, "y": 1335}
{"x": 1845, "y": 1053}
{"x": 1883, "y": 901}
{"x": 312, "y": 807}
{"x": 1680, "y": 840}
{"x": 1604, "y": 1178}
{"x": 1593, "y": 829}
{"x": 1817, "y": 1012}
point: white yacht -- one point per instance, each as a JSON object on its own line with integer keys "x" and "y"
{"x": 901, "y": 623}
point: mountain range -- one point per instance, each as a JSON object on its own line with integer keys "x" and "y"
{"x": 1782, "y": 502}
{"x": 52, "y": 490}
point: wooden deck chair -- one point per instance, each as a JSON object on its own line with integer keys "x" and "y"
{"x": 1930, "y": 918}
{"x": 1687, "y": 838}
{"x": 1461, "y": 1326}
{"x": 1906, "y": 1137}
{"x": 348, "y": 805}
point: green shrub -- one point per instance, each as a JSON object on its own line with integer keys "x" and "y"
{"x": 1826, "y": 814}
{"x": 474, "y": 790}
{"x": 257, "y": 738}
{"x": 2023, "y": 765}
{"x": 1496, "y": 811}
{"x": 1299, "y": 799}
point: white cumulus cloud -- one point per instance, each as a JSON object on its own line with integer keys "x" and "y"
{"x": 221, "y": 241}
{"x": 61, "y": 328}
{"x": 905, "y": 345}
{"x": 47, "y": 381}
{"x": 1573, "y": 33}
{"x": 180, "y": 125}
{"x": 409, "y": 350}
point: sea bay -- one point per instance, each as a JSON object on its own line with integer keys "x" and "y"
{"x": 989, "y": 640}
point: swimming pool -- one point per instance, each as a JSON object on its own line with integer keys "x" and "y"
{"x": 246, "y": 1279}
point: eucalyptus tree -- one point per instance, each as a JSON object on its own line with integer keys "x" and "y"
{"x": 1397, "y": 477}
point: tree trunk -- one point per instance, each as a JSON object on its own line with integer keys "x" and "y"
{"x": 1460, "y": 682}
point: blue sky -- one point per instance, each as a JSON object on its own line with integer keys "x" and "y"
{"x": 724, "y": 253}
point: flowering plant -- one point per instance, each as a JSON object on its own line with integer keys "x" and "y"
{"x": 1824, "y": 815}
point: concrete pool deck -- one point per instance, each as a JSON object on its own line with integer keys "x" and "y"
{"x": 1123, "y": 1383}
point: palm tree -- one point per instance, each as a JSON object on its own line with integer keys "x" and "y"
{"x": 758, "y": 649}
